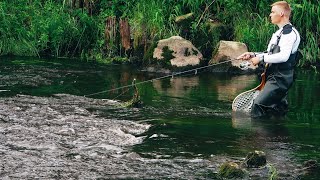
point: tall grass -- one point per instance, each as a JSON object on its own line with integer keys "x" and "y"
{"x": 147, "y": 21}
{"x": 56, "y": 28}
{"x": 14, "y": 36}
{"x": 306, "y": 17}
{"x": 195, "y": 6}
{"x": 255, "y": 31}
{"x": 311, "y": 50}
{"x": 64, "y": 33}
{"x": 44, "y": 28}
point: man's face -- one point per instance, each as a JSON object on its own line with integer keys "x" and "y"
{"x": 276, "y": 14}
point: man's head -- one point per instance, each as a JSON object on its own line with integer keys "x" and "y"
{"x": 280, "y": 13}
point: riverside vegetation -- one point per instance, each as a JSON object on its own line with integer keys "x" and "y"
{"x": 127, "y": 30}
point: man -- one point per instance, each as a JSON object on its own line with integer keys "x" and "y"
{"x": 281, "y": 59}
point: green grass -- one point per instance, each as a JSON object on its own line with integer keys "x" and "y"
{"x": 55, "y": 28}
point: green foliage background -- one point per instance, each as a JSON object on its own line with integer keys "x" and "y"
{"x": 56, "y": 28}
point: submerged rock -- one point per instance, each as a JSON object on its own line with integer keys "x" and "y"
{"x": 310, "y": 167}
{"x": 231, "y": 170}
{"x": 255, "y": 159}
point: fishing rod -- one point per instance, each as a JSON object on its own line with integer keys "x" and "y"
{"x": 243, "y": 66}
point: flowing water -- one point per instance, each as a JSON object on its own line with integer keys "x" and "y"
{"x": 58, "y": 121}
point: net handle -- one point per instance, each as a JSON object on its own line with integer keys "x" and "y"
{"x": 263, "y": 79}
{"x": 258, "y": 88}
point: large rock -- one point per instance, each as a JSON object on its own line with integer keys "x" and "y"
{"x": 230, "y": 50}
{"x": 178, "y": 51}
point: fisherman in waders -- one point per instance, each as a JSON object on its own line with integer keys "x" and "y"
{"x": 280, "y": 59}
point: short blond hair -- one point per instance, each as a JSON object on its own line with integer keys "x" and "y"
{"x": 285, "y": 6}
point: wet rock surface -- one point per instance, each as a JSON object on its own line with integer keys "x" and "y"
{"x": 57, "y": 137}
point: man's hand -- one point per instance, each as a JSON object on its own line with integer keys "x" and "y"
{"x": 246, "y": 56}
{"x": 249, "y": 56}
{"x": 255, "y": 61}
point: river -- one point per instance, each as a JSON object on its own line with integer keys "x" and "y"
{"x": 64, "y": 119}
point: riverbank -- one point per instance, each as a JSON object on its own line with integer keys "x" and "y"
{"x": 108, "y": 31}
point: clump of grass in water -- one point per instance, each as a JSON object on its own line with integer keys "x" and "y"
{"x": 135, "y": 101}
{"x": 272, "y": 172}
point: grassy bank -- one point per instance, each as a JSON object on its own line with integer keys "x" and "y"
{"x": 94, "y": 29}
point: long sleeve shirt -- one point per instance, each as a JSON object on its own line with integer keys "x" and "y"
{"x": 288, "y": 43}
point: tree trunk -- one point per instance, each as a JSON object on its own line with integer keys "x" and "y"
{"x": 125, "y": 34}
{"x": 73, "y": 5}
{"x": 81, "y": 3}
{"x": 110, "y": 32}
{"x": 144, "y": 38}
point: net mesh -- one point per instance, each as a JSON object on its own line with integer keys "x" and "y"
{"x": 244, "y": 101}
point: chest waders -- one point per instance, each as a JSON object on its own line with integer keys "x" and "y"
{"x": 272, "y": 100}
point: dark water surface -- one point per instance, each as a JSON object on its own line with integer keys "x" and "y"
{"x": 185, "y": 129}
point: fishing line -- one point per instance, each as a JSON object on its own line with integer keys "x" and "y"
{"x": 120, "y": 94}
{"x": 162, "y": 77}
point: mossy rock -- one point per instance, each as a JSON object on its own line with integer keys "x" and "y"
{"x": 311, "y": 167}
{"x": 231, "y": 170}
{"x": 133, "y": 103}
{"x": 255, "y": 159}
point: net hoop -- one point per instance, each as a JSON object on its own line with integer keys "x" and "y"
{"x": 243, "y": 102}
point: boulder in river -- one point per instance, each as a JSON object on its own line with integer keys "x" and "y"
{"x": 177, "y": 51}
{"x": 230, "y": 50}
